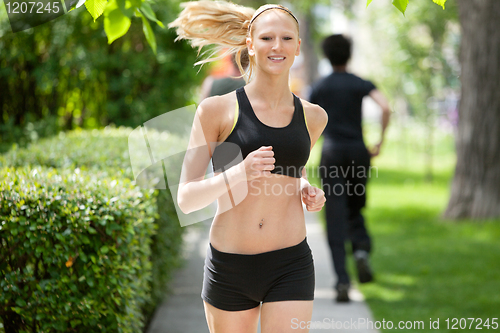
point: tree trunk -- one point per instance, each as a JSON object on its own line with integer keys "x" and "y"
{"x": 307, "y": 47}
{"x": 475, "y": 191}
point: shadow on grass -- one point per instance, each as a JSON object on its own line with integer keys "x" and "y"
{"x": 429, "y": 268}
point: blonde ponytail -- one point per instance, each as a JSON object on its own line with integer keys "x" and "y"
{"x": 222, "y": 23}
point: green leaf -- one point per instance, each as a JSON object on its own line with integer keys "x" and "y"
{"x": 104, "y": 249}
{"x": 20, "y": 302}
{"x": 368, "y": 2}
{"x": 150, "y": 14}
{"x": 401, "y": 5}
{"x": 440, "y": 2}
{"x": 127, "y": 7}
{"x": 116, "y": 24}
{"x": 95, "y": 7}
{"x": 117, "y": 301}
{"x": 85, "y": 240}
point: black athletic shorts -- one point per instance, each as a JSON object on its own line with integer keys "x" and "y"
{"x": 235, "y": 282}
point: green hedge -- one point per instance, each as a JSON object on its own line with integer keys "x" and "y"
{"x": 106, "y": 151}
{"x": 75, "y": 251}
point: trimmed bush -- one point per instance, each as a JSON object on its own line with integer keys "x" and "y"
{"x": 106, "y": 152}
{"x": 75, "y": 251}
{"x": 105, "y": 149}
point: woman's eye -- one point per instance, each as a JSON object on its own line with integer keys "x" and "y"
{"x": 269, "y": 38}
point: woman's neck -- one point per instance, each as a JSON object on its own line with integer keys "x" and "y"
{"x": 273, "y": 90}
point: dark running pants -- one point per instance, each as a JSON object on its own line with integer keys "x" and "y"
{"x": 344, "y": 169}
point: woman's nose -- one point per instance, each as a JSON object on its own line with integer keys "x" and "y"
{"x": 277, "y": 44}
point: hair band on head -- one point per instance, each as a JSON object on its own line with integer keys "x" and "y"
{"x": 276, "y": 7}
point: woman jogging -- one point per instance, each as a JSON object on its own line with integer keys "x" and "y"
{"x": 258, "y": 261}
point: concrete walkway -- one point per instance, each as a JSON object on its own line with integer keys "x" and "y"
{"x": 182, "y": 311}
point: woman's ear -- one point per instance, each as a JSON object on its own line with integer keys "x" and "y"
{"x": 297, "y": 52}
{"x": 251, "y": 52}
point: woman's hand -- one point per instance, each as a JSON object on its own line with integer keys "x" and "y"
{"x": 313, "y": 198}
{"x": 259, "y": 163}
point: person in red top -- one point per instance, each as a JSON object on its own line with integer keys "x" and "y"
{"x": 213, "y": 85}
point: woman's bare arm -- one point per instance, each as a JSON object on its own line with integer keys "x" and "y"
{"x": 194, "y": 191}
{"x": 317, "y": 119}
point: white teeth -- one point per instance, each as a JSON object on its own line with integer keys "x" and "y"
{"x": 276, "y": 58}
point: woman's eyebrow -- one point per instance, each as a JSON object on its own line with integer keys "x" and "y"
{"x": 270, "y": 32}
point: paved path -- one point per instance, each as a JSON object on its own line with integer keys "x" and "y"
{"x": 182, "y": 311}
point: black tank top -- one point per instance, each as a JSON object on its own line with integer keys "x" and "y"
{"x": 291, "y": 144}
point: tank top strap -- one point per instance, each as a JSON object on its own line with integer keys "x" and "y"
{"x": 301, "y": 114}
{"x": 243, "y": 102}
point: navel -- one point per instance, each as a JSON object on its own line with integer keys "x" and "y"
{"x": 261, "y": 223}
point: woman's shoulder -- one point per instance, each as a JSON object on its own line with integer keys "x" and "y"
{"x": 316, "y": 116}
{"x": 215, "y": 111}
{"x": 316, "y": 120}
{"x": 214, "y": 106}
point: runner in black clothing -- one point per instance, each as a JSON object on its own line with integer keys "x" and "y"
{"x": 345, "y": 160}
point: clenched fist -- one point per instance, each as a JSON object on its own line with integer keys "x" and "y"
{"x": 313, "y": 198}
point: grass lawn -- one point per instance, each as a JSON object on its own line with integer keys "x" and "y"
{"x": 426, "y": 267}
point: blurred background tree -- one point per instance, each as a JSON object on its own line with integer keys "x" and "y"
{"x": 63, "y": 74}
{"x": 418, "y": 66}
{"x": 475, "y": 191}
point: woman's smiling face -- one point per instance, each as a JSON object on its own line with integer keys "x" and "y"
{"x": 275, "y": 41}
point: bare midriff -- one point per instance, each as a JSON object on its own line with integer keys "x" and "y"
{"x": 270, "y": 217}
